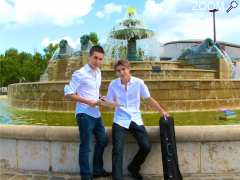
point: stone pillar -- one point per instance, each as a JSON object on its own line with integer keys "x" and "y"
{"x": 132, "y": 50}
{"x": 84, "y": 57}
{"x": 223, "y": 69}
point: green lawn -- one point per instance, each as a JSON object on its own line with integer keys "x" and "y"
{"x": 9, "y": 115}
{"x": 150, "y": 119}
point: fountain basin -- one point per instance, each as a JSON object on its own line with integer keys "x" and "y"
{"x": 127, "y": 33}
{"x": 174, "y": 95}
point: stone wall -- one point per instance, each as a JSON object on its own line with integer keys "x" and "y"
{"x": 150, "y": 74}
{"x": 59, "y": 70}
{"x": 205, "y": 152}
{"x": 222, "y": 67}
{"x": 174, "y": 95}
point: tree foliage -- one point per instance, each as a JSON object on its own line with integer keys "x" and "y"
{"x": 18, "y": 66}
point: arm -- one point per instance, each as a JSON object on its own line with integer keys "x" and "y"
{"x": 155, "y": 105}
{"x": 77, "y": 98}
{"x": 151, "y": 101}
{"x": 109, "y": 100}
{"x": 70, "y": 91}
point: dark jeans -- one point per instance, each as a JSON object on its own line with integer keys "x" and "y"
{"x": 118, "y": 137}
{"x": 89, "y": 126}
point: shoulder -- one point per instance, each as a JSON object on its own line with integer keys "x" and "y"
{"x": 137, "y": 80}
{"x": 114, "y": 82}
{"x": 78, "y": 73}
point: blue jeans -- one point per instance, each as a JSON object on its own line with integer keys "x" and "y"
{"x": 89, "y": 126}
{"x": 118, "y": 137}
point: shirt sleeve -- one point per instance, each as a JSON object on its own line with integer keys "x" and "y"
{"x": 74, "y": 83}
{"x": 110, "y": 94}
{"x": 144, "y": 91}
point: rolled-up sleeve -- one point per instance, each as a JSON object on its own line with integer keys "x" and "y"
{"x": 110, "y": 94}
{"x": 74, "y": 83}
{"x": 144, "y": 91}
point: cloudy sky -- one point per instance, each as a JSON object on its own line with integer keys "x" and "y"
{"x": 30, "y": 25}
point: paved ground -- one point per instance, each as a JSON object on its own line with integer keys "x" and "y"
{"x": 23, "y": 175}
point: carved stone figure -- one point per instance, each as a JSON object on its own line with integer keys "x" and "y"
{"x": 63, "y": 51}
{"x": 85, "y": 43}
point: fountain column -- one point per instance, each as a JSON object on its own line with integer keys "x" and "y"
{"x": 132, "y": 50}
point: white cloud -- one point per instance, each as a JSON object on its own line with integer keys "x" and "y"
{"x": 100, "y": 14}
{"x": 185, "y": 19}
{"x": 109, "y": 9}
{"x": 63, "y": 13}
{"x": 74, "y": 43}
{"x": 5, "y": 12}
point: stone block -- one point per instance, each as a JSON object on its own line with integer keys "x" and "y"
{"x": 189, "y": 156}
{"x": 64, "y": 157}
{"x": 8, "y": 157}
{"x": 220, "y": 157}
{"x": 33, "y": 155}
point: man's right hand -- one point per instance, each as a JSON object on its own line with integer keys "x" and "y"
{"x": 165, "y": 113}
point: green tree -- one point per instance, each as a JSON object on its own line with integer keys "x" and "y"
{"x": 49, "y": 51}
{"x": 11, "y": 53}
{"x": 18, "y": 67}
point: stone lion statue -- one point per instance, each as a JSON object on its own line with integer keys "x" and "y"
{"x": 85, "y": 43}
{"x": 63, "y": 51}
{"x": 207, "y": 47}
{"x": 204, "y": 56}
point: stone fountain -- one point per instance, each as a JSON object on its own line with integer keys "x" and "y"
{"x": 131, "y": 29}
{"x": 198, "y": 80}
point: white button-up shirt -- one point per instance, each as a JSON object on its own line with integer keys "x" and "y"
{"x": 129, "y": 100}
{"x": 86, "y": 83}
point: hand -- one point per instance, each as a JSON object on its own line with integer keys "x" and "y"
{"x": 102, "y": 98}
{"x": 165, "y": 114}
{"x": 92, "y": 103}
{"x": 108, "y": 103}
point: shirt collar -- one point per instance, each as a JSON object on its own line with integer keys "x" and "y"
{"x": 89, "y": 69}
{"x": 130, "y": 82}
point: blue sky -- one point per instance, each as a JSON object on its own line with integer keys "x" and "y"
{"x": 29, "y": 25}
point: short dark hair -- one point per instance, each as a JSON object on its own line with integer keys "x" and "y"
{"x": 96, "y": 48}
{"x": 124, "y": 63}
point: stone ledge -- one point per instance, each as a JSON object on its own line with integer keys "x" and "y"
{"x": 183, "y": 133}
{"x": 204, "y": 152}
{"x": 163, "y": 69}
{"x": 148, "y": 80}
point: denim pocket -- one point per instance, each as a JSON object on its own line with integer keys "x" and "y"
{"x": 80, "y": 115}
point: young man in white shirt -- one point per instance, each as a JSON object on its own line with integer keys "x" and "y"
{"x": 83, "y": 88}
{"x": 126, "y": 92}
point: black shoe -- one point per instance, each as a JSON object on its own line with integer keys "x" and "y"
{"x": 86, "y": 178}
{"x": 134, "y": 174}
{"x": 103, "y": 174}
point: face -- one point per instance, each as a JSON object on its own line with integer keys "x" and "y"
{"x": 122, "y": 72}
{"x": 96, "y": 59}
